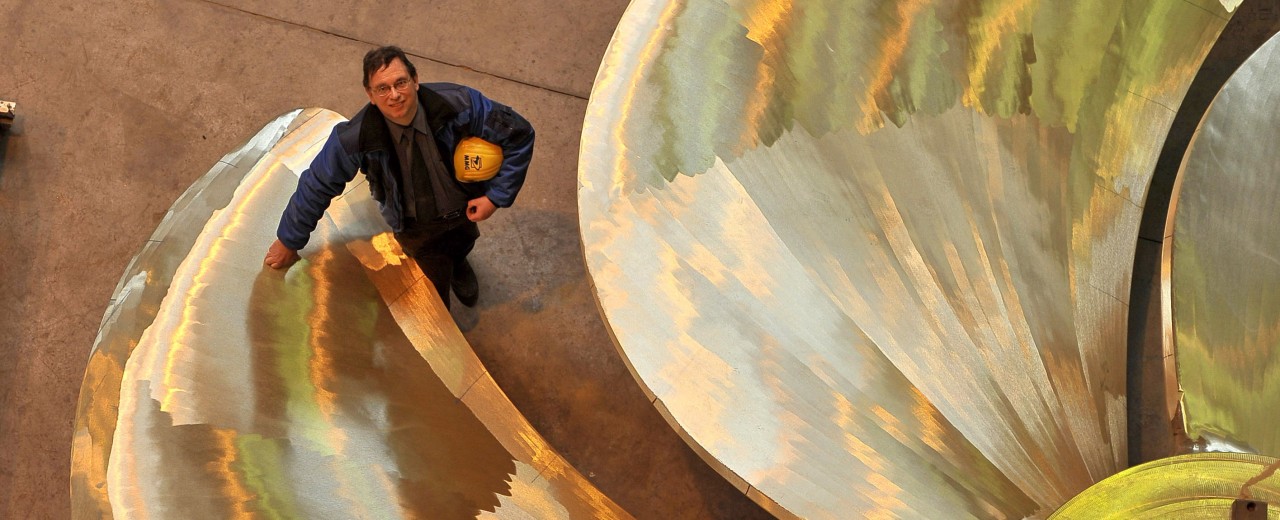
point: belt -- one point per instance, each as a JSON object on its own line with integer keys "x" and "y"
{"x": 415, "y": 224}
{"x": 452, "y": 215}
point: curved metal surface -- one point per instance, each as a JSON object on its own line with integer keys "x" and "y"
{"x": 1222, "y": 266}
{"x": 219, "y": 388}
{"x": 1184, "y": 487}
{"x": 871, "y": 258}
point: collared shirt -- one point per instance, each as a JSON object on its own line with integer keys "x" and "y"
{"x": 446, "y": 194}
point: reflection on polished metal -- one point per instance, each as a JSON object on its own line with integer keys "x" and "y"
{"x": 8, "y": 111}
{"x": 219, "y": 388}
{"x": 1203, "y": 485}
{"x": 1222, "y": 267}
{"x": 872, "y": 258}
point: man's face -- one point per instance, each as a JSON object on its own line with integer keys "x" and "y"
{"x": 397, "y": 105}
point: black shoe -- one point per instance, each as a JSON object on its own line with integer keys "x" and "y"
{"x": 465, "y": 286}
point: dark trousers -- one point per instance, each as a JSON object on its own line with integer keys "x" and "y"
{"x": 438, "y": 247}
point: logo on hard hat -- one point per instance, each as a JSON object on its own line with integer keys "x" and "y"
{"x": 476, "y": 160}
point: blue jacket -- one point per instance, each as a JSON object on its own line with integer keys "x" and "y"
{"x": 454, "y": 112}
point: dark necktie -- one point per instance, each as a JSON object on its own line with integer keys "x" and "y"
{"x": 423, "y": 203}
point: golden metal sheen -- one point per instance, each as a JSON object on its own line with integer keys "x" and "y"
{"x": 1222, "y": 271}
{"x": 341, "y": 388}
{"x": 872, "y": 259}
{"x": 1188, "y": 487}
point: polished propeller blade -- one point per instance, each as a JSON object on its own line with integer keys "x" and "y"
{"x": 340, "y": 388}
{"x": 1221, "y": 271}
{"x": 872, "y": 259}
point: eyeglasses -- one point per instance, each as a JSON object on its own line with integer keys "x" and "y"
{"x": 401, "y": 86}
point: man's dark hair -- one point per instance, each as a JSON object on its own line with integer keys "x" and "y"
{"x": 381, "y": 57}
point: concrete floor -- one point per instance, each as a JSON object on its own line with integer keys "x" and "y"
{"x": 123, "y": 104}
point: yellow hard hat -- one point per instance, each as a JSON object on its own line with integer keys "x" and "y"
{"x": 476, "y": 160}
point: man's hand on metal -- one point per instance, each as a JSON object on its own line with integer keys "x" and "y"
{"x": 480, "y": 208}
{"x": 279, "y": 256}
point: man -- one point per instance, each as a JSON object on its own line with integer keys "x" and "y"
{"x": 403, "y": 141}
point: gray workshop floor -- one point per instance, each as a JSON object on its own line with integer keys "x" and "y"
{"x": 123, "y": 104}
